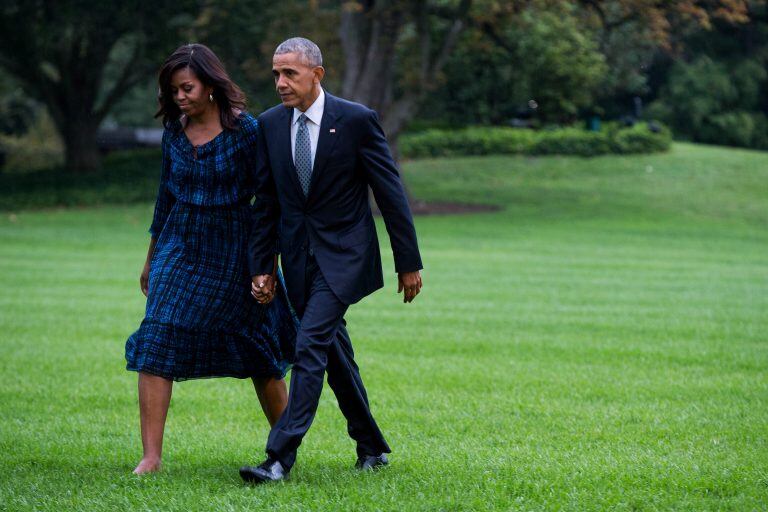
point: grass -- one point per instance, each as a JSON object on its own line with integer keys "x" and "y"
{"x": 600, "y": 343}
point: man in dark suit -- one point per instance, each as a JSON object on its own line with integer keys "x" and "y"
{"x": 318, "y": 156}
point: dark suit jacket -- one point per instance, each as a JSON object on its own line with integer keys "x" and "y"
{"x": 334, "y": 220}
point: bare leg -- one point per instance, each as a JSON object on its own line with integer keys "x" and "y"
{"x": 154, "y": 397}
{"x": 273, "y": 397}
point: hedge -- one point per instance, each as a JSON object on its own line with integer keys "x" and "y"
{"x": 639, "y": 138}
{"x": 126, "y": 177}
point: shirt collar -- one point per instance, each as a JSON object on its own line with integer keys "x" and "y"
{"x": 315, "y": 112}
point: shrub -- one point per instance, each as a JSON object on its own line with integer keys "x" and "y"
{"x": 562, "y": 141}
{"x": 715, "y": 101}
{"x": 126, "y": 177}
{"x": 641, "y": 139}
{"x": 737, "y": 128}
{"x": 38, "y": 148}
{"x": 469, "y": 141}
{"x": 571, "y": 141}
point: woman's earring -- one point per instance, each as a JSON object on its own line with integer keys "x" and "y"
{"x": 210, "y": 97}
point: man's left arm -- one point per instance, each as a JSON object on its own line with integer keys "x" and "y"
{"x": 388, "y": 190}
{"x": 265, "y": 212}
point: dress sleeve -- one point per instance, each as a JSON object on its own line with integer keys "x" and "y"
{"x": 165, "y": 199}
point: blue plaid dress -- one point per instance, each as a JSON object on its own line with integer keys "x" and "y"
{"x": 200, "y": 319}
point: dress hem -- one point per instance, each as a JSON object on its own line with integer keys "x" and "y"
{"x": 217, "y": 375}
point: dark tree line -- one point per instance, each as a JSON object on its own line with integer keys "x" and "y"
{"x": 456, "y": 60}
{"x": 62, "y": 51}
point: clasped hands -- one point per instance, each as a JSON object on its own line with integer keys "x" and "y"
{"x": 263, "y": 288}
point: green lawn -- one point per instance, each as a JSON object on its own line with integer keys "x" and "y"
{"x": 599, "y": 343}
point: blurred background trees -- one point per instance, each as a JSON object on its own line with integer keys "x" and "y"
{"x": 77, "y": 59}
{"x": 697, "y": 65}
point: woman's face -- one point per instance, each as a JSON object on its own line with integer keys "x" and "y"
{"x": 189, "y": 93}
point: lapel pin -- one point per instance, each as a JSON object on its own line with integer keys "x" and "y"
{"x": 333, "y": 130}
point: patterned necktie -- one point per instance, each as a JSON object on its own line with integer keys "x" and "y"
{"x": 303, "y": 156}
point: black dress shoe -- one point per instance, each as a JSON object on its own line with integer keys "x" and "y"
{"x": 371, "y": 462}
{"x": 268, "y": 471}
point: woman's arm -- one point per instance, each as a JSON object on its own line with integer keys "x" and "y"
{"x": 165, "y": 199}
{"x": 144, "y": 278}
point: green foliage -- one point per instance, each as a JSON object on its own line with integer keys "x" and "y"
{"x": 469, "y": 141}
{"x": 79, "y": 58}
{"x": 549, "y": 56}
{"x": 736, "y": 128}
{"x": 571, "y": 141}
{"x": 628, "y": 49}
{"x": 641, "y": 139}
{"x": 719, "y": 93}
{"x": 17, "y": 112}
{"x": 39, "y": 148}
{"x": 698, "y": 90}
{"x": 564, "y": 141}
{"x": 558, "y": 61}
{"x": 125, "y": 177}
{"x": 716, "y": 103}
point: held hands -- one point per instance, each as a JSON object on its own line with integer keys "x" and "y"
{"x": 410, "y": 282}
{"x": 263, "y": 288}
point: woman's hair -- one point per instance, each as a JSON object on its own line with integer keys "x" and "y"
{"x": 210, "y": 71}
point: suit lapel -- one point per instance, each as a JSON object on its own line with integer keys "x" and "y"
{"x": 327, "y": 138}
{"x": 284, "y": 143}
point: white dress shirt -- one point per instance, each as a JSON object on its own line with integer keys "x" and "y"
{"x": 314, "y": 115}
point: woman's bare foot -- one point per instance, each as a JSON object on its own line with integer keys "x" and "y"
{"x": 147, "y": 466}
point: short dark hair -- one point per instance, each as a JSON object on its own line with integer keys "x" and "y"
{"x": 210, "y": 71}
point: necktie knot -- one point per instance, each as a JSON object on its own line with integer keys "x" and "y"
{"x": 302, "y": 119}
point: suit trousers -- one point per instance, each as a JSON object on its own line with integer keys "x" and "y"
{"x": 323, "y": 345}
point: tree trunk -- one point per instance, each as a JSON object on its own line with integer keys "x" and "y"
{"x": 82, "y": 151}
{"x": 369, "y": 33}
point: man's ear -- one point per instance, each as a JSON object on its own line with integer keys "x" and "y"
{"x": 319, "y": 72}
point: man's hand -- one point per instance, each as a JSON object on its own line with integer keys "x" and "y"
{"x": 411, "y": 283}
{"x": 263, "y": 288}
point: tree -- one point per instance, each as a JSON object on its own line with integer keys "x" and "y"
{"x": 366, "y": 46}
{"x": 65, "y": 51}
{"x": 632, "y": 33}
{"x": 715, "y": 91}
{"x": 394, "y": 51}
{"x": 627, "y": 33}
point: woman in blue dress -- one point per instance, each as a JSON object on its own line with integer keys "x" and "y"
{"x": 201, "y": 320}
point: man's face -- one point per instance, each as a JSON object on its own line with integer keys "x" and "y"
{"x": 295, "y": 80}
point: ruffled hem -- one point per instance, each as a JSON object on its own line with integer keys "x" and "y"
{"x": 178, "y": 353}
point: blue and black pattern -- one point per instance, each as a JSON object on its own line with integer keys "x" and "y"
{"x": 303, "y": 156}
{"x": 201, "y": 320}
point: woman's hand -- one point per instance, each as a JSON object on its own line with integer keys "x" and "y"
{"x": 144, "y": 279}
{"x": 263, "y": 288}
